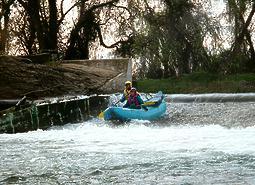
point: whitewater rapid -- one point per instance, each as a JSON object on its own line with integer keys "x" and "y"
{"x": 194, "y": 143}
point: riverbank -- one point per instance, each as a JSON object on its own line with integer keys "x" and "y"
{"x": 22, "y": 76}
{"x": 199, "y": 83}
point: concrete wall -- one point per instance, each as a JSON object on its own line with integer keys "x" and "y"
{"x": 44, "y": 115}
{"x": 123, "y": 67}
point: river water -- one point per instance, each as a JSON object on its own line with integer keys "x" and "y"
{"x": 194, "y": 143}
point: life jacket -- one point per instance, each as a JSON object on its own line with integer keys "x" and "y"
{"x": 126, "y": 93}
{"x": 134, "y": 100}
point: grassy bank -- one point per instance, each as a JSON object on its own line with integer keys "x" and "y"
{"x": 200, "y": 83}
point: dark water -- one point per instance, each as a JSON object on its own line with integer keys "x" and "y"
{"x": 195, "y": 143}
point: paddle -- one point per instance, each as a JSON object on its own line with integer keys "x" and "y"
{"x": 149, "y": 103}
{"x": 101, "y": 115}
{"x": 144, "y": 107}
{"x": 146, "y": 104}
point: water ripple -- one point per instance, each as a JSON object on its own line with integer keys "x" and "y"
{"x": 196, "y": 143}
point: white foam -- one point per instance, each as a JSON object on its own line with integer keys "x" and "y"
{"x": 96, "y": 135}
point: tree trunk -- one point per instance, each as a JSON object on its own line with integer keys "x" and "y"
{"x": 4, "y": 18}
{"x": 86, "y": 30}
{"x": 239, "y": 40}
{"x": 33, "y": 9}
{"x": 53, "y": 26}
{"x": 78, "y": 47}
{"x": 45, "y": 30}
{"x": 31, "y": 38}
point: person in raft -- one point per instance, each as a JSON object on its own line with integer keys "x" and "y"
{"x": 128, "y": 86}
{"x": 134, "y": 100}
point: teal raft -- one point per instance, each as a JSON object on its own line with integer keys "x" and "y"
{"x": 153, "y": 109}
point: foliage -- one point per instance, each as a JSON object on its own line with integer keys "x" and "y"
{"x": 172, "y": 38}
{"x": 45, "y": 26}
{"x": 168, "y": 38}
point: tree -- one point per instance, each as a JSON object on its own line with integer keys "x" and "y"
{"x": 44, "y": 20}
{"x": 5, "y": 9}
{"x": 242, "y": 52}
{"x": 89, "y": 28}
{"x": 172, "y": 38}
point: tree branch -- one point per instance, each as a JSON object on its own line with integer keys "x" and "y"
{"x": 101, "y": 40}
{"x": 64, "y": 14}
{"x": 123, "y": 7}
{"x": 109, "y": 3}
{"x": 24, "y": 4}
{"x": 4, "y": 7}
{"x": 244, "y": 29}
